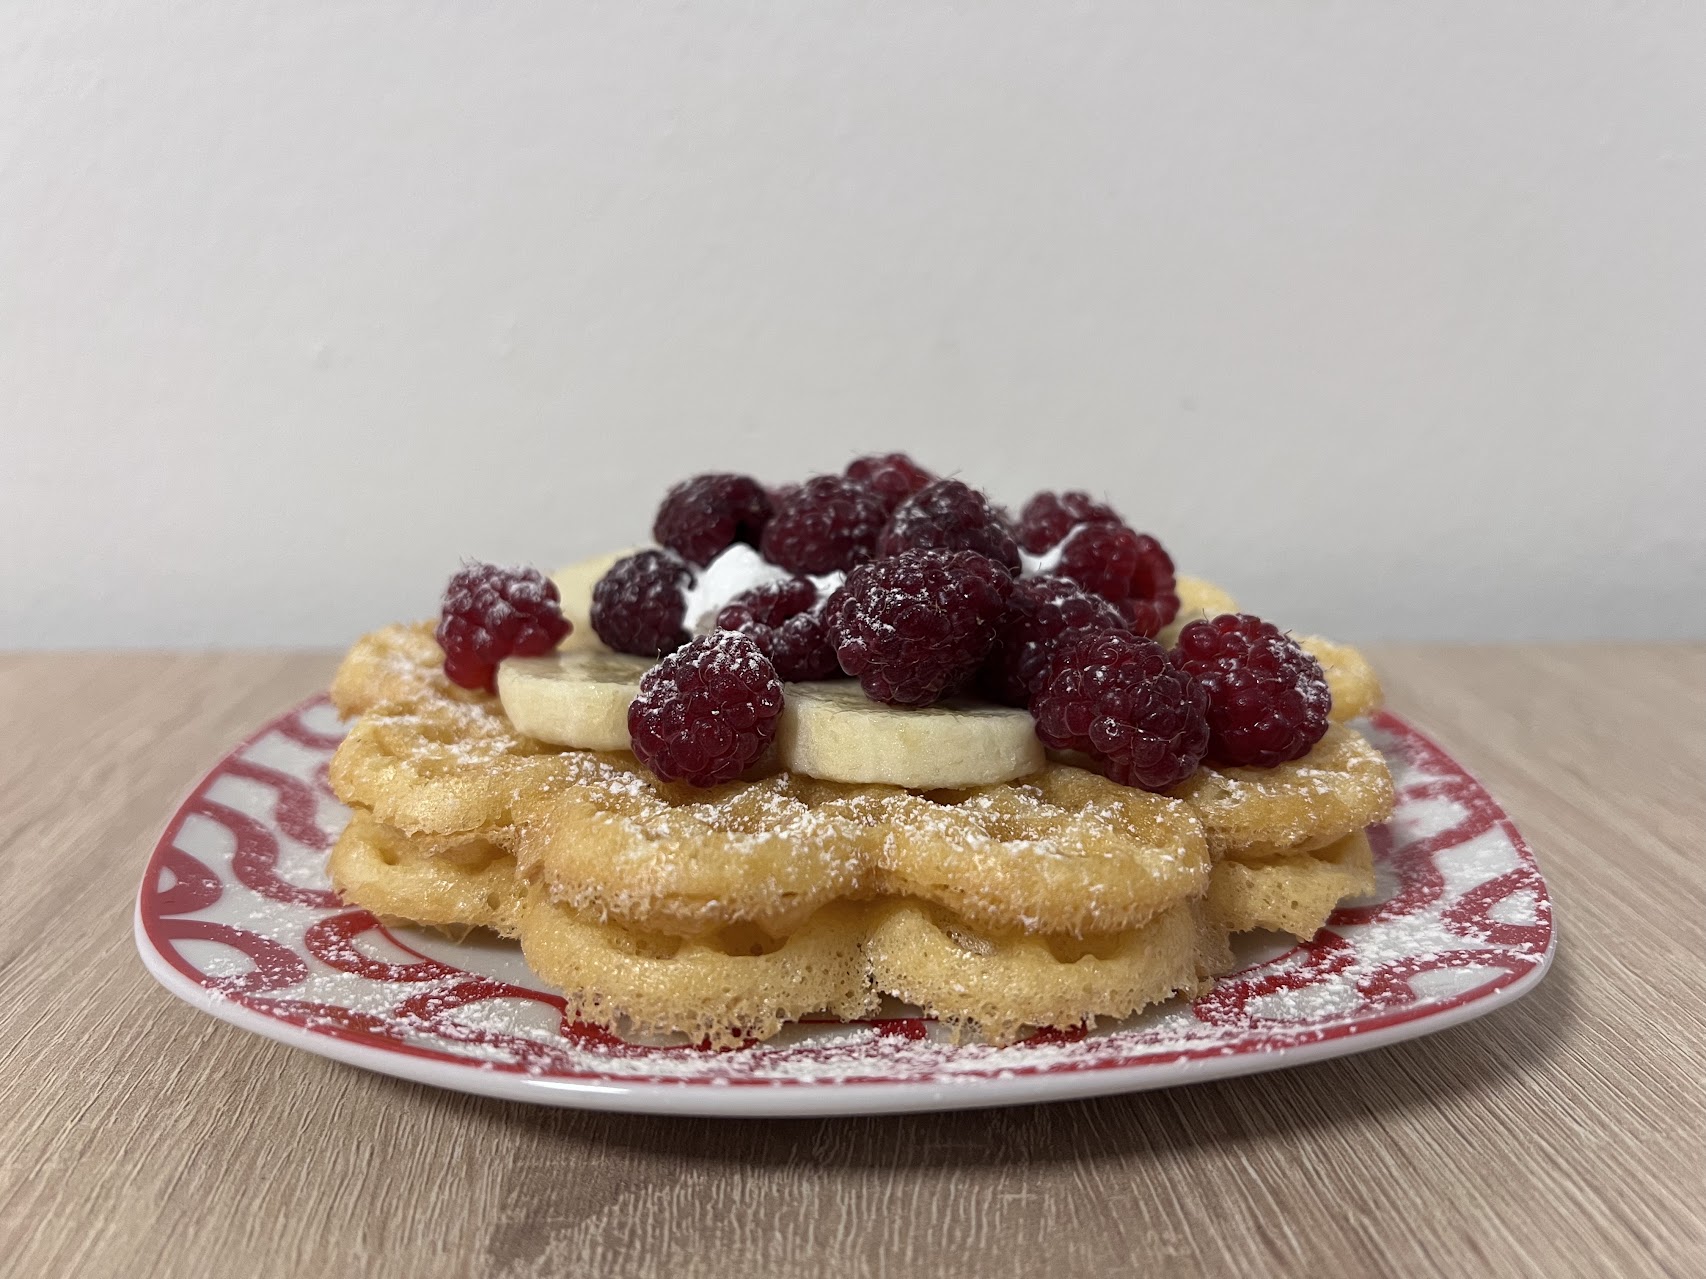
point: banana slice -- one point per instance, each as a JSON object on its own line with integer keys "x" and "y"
{"x": 829, "y": 729}
{"x": 577, "y": 699}
{"x": 574, "y": 583}
{"x": 832, "y": 731}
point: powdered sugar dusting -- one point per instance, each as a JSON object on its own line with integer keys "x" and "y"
{"x": 235, "y": 900}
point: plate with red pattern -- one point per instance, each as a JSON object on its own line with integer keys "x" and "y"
{"x": 235, "y": 916}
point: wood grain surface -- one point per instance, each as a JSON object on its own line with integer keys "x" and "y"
{"x": 1565, "y": 1135}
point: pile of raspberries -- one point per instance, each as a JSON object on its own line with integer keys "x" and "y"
{"x": 920, "y": 588}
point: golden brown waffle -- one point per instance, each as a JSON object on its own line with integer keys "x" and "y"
{"x": 724, "y": 913}
{"x": 1355, "y": 686}
{"x": 455, "y": 883}
{"x": 725, "y": 986}
{"x": 1003, "y": 983}
{"x": 401, "y": 665}
{"x": 1062, "y": 851}
{"x": 741, "y": 981}
{"x": 1291, "y": 894}
{"x": 1340, "y": 787}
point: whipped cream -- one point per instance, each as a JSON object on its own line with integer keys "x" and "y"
{"x": 1036, "y": 565}
{"x": 827, "y": 584}
{"x": 735, "y": 572}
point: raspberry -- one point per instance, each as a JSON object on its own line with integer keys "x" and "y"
{"x": 1131, "y": 569}
{"x": 782, "y": 619}
{"x": 490, "y": 613}
{"x": 1039, "y": 612}
{"x": 708, "y": 513}
{"x": 768, "y": 605}
{"x": 830, "y": 523}
{"x": 1267, "y": 698}
{"x": 950, "y": 516}
{"x": 637, "y": 607}
{"x": 1047, "y": 518}
{"x": 705, "y": 713}
{"x": 1115, "y": 696}
{"x": 916, "y": 626}
{"x": 894, "y": 476}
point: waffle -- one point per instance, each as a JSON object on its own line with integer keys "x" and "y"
{"x": 724, "y": 913}
{"x": 724, "y": 987}
{"x": 448, "y": 884}
{"x": 1341, "y": 787}
{"x": 1292, "y": 894}
{"x": 1063, "y": 851}
{"x": 739, "y": 981}
{"x": 1002, "y": 983}
{"x": 1356, "y": 688}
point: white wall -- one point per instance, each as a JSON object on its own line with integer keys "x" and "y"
{"x": 1390, "y": 317}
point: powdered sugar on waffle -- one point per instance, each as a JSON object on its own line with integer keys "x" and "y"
{"x": 1464, "y": 913}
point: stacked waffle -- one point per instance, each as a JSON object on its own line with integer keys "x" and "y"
{"x": 723, "y": 913}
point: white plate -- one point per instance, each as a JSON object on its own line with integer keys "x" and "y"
{"x": 235, "y": 916}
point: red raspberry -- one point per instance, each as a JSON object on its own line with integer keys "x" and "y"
{"x": 895, "y": 476}
{"x": 637, "y": 607}
{"x": 1038, "y": 613}
{"x": 1047, "y": 518}
{"x": 490, "y": 613}
{"x": 1131, "y": 569}
{"x": 950, "y": 516}
{"x": 1267, "y": 698}
{"x": 1115, "y": 696}
{"x": 830, "y": 523}
{"x": 768, "y": 605}
{"x": 782, "y": 619}
{"x": 705, "y": 515}
{"x": 705, "y": 713}
{"x": 915, "y": 627}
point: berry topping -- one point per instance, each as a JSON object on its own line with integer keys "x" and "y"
{"x": 491, "y": 613}
{"x": 895, "y": 476}
{"x": 828, "y": 524}
{"x": 1116, "y": 697}
{"x": 950, "y": 516}
{"x": 1267, "y": 698}
{"x": 769, "y": 604}
{"x": 1040, "y": 611}
{"x": 1131, "y": 569}
{"x": 706, "y": 514}
{"x": 782, "y": 619}
{"x": 914, "y": 627}
{"x": 705, "y": 713}
{"x": 638, "y": 607}
{"x": 1047, "y": 518}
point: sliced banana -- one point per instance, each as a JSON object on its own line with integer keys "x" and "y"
{"x": 831, "y": 730}
{"x": 1197, "y": 599}
{"x": 572, "y": 698}
{"x": 574, "y": 584}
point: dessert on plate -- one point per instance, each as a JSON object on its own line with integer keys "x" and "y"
{"x": 867, "y": 737}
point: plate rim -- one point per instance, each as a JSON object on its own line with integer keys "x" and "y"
{"x": 803, "y": 1097}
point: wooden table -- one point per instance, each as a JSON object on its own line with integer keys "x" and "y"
{"x": 1565, "y": 1135}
